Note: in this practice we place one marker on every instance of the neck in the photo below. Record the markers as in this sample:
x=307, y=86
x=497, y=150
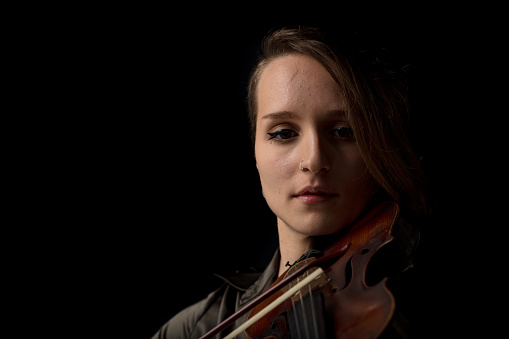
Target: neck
x=292, y=245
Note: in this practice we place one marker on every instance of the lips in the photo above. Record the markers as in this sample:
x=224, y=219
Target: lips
x=314, y=195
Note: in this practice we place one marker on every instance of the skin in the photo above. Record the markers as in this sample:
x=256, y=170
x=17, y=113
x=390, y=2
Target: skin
x=301, y=105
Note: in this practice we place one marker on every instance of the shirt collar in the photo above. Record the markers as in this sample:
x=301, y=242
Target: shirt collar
x=266, y=279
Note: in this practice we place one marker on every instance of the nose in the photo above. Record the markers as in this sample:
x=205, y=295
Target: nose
x=315, y=155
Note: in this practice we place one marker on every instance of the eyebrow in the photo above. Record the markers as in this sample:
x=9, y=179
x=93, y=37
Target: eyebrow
x=291, y=115
x=280, y=115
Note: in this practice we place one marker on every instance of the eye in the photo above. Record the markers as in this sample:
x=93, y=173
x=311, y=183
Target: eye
x=282, y=134
x=343, y=133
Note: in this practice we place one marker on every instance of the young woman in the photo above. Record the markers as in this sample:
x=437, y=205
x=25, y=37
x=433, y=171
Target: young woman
x=331, y=142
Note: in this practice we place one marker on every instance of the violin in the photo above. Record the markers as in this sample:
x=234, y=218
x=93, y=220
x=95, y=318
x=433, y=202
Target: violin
x=327, y=297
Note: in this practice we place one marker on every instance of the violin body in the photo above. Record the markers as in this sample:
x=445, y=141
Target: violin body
x=338, y=303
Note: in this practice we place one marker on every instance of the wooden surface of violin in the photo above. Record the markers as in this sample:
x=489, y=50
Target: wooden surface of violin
x=337, y=302
x=349, y=307
x=359, y=310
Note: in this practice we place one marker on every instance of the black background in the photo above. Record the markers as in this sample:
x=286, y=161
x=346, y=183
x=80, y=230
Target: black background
x=152, y=177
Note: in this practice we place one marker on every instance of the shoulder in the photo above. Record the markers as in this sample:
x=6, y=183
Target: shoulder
x=197, y=319
x=187, y=322
x=238, y=288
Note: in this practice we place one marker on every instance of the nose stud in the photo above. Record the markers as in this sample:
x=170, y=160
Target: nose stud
x=300, y=165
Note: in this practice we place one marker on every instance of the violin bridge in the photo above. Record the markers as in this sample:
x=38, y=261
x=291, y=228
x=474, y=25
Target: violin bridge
x=316, y=283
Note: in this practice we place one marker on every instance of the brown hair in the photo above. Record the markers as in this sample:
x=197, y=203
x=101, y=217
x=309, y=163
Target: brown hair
x=376, y=103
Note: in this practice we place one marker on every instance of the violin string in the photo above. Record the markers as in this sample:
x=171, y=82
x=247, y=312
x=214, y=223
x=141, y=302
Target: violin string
x=304, y=315
x=303, y=309
x=282, y=298
x=313, y=313
x=298, y=331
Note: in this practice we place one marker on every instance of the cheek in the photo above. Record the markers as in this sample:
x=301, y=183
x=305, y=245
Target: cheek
x=359, y=171
x=361, y=182
x=352, y=172
x=272, y=171
x=275, y=170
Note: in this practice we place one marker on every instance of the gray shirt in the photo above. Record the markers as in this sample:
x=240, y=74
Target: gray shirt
x=237, y=290
x=196, y=320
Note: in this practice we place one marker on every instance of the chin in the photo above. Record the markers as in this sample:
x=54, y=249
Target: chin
x=318, y=226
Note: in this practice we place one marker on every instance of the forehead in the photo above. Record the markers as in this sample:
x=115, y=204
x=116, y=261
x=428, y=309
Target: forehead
x=297, y=83
x=293, y=68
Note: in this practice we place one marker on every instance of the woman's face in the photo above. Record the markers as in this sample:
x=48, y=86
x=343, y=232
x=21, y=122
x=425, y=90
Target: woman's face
x=302, y=123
